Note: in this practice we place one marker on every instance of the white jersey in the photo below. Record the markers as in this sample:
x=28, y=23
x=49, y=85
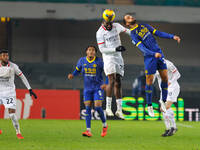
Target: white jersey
x=173, y=75
x=7, y=85
x=108, y=41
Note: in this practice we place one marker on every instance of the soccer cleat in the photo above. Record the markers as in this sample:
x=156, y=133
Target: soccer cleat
x=162, y=105
x=150, y=111
x=19, y=136
x=175, y=130
x=104, y=131
x=109, y=112
x=172, y=131
x=0, y=131
x=87, y=133
x=119, y=114
x=165, y=133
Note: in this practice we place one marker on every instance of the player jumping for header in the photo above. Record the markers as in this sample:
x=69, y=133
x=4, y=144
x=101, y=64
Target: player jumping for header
x=142, y=37
x=91, y=68
x=8, y=70
x=109, y=43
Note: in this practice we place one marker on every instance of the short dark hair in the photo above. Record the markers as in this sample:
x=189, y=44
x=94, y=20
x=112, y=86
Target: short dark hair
x=3, y=51
x=91, y=46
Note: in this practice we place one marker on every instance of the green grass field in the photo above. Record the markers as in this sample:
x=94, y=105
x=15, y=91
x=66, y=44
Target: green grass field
x=122, y=135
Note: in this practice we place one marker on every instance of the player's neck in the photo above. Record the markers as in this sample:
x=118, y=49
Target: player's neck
x=90, y=58
x=4, y=63
x=132, y=26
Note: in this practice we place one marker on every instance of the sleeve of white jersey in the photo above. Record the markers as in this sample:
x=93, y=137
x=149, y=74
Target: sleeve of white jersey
x=101, y=44
x=121, y=29
x=19, y=73
x=174, y=71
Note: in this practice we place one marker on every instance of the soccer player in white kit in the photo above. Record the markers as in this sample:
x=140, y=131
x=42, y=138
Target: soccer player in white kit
x=109, y=43
x=173, y=92
x=8, y=70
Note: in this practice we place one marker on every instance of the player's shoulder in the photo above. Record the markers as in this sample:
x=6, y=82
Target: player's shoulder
x=116, y=24
x=12, y=64
x=99, y=59
x=100, y=30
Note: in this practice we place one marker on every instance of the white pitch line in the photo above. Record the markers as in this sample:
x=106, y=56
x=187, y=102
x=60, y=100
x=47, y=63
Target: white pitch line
x=184, y=125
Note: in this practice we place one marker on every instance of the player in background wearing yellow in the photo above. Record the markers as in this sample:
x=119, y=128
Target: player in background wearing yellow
x=91, y=68
x=110, y=46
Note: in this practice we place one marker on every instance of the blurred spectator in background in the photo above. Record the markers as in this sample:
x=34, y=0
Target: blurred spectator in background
x=139, y=86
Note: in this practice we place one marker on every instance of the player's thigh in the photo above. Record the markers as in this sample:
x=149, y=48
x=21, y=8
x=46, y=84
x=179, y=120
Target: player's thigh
x=110, y=68
x=120, y=69
x=162, y=68
x=173, y=94
x=98, y=98
x=150, y=64
x=9, y=102
x=163, y=75
x=87, y=96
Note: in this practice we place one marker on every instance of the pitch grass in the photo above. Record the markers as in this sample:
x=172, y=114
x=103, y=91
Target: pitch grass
x=122, y=135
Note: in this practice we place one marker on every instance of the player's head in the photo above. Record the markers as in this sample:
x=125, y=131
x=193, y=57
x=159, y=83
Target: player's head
x=108, y=17
x=129, y=20
x=4, y=56
x=91, y=51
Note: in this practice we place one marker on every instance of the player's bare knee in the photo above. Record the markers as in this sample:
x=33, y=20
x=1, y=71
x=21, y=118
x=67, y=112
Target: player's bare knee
x=11, y=111
x=165, y=79
x=117, y=84
x=88, y=103
x=98, y=103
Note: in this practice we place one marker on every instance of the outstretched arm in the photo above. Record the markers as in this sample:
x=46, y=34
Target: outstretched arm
x=163, y=34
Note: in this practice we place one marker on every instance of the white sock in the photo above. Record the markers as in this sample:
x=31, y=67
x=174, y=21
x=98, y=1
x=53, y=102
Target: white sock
x=166, y=120
x=108, y=102
x=15, y=122
x=104, y=124
x=119, y=104
x=172, y=119
x=89, y=129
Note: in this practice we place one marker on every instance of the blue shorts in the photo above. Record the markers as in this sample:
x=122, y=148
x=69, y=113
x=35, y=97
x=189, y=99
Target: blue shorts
x=153, y=64
x=93, y=95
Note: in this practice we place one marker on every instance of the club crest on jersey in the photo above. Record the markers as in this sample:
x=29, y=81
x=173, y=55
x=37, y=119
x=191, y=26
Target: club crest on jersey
x=94, y=65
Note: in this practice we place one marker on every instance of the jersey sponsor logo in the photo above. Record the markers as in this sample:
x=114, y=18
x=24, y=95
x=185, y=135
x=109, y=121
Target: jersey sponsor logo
x=112, y=38
x=90, y=70
x=94, y=65
x=144, y=32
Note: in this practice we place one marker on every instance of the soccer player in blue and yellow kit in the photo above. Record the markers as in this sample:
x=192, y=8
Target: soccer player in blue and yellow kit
x=143, y=37
x=91, y=68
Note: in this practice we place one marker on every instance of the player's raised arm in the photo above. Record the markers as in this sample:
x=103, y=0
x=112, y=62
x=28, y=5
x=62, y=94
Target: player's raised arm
x=122, y=29
x=19, y=73
x=163, y=34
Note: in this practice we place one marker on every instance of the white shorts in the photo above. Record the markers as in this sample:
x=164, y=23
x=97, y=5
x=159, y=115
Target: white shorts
x=172, y=94
x=8, y=102
x=115, y=65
